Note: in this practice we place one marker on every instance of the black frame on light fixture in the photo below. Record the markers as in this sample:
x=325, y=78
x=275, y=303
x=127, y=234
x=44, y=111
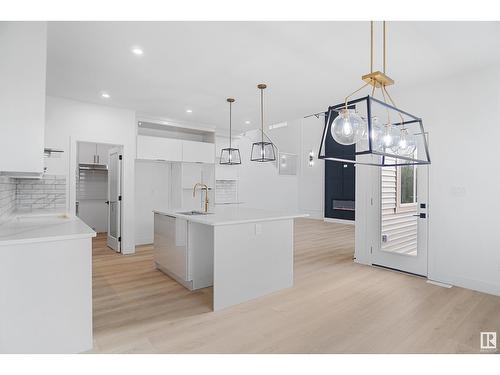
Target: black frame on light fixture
x=384, y=158
x=233, y=154
x=262, y=145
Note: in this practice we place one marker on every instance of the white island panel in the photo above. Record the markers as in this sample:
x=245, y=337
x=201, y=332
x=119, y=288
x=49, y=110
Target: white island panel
x=251, y=260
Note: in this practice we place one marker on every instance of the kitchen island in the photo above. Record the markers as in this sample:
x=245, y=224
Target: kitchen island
x=244, y=253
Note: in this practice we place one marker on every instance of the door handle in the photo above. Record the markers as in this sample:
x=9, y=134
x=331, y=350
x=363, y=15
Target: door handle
x=421, y=216
x=107, y=202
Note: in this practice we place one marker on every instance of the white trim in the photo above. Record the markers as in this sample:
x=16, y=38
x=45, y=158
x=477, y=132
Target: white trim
x=339, y=221
x=173, y=122
x=443, y=285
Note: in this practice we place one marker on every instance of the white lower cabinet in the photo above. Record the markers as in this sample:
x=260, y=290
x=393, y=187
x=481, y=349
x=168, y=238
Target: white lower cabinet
x=183, y=251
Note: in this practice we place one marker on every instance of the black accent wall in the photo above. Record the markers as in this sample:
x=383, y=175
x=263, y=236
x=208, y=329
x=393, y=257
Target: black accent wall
x=340, y=180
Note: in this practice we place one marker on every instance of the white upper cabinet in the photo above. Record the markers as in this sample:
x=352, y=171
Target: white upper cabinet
x=172, y=149
x=198, y=152
x=86, y=153
x=158, y=148
x=22, y=96
x=102, y=153
x=93, y=153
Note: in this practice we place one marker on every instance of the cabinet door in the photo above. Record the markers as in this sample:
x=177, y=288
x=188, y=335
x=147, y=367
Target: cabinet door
x=102, y=153
x=198, y=152
x=87, y=153
x=207, y=176
x=171, y=245
x=157, y=148
x=191, y=174
x=22, y=96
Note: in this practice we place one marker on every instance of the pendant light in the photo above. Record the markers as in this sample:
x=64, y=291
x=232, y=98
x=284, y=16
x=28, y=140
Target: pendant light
x=230, y=155
x=262, y=151
x=375, y=127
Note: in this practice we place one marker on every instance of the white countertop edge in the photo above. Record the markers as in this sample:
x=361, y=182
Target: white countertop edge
x=255, y=220
x=82, y=229
x=47, y=239
x=200, y=219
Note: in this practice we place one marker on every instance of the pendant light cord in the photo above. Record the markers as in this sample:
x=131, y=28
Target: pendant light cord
x=371, y=46
x=262, y=114
x=385, y=48
x=230, y=132
x=354, y=92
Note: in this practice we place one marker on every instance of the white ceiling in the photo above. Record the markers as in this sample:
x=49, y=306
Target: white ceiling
x=197, y=65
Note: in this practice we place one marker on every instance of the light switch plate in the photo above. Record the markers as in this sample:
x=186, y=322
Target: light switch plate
x=258, y=229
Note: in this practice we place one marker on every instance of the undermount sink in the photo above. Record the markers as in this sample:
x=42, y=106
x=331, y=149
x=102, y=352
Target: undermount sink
x=194, y=213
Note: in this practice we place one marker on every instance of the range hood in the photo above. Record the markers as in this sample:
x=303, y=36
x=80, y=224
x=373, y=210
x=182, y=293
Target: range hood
x=92, y=167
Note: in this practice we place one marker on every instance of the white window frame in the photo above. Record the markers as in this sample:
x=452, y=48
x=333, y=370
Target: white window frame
x=405, y=207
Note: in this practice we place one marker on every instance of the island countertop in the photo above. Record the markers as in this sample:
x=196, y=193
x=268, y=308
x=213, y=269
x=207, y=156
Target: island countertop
x=232, y=215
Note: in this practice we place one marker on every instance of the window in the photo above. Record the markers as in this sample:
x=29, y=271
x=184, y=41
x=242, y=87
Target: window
x=406, y=188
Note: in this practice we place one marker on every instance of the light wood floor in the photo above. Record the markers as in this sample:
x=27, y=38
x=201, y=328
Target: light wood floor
x=335, y=306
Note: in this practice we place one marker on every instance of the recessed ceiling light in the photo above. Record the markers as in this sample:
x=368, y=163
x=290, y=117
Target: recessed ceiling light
x=105, y=95
x=137, y=51
x=189, y=110
x=247, y=122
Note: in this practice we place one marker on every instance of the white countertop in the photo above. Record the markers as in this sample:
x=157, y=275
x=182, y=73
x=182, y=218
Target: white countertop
x=227, y=215
x=42, y=226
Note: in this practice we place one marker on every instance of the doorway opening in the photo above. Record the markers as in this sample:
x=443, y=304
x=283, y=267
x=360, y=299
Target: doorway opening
x=99, y=189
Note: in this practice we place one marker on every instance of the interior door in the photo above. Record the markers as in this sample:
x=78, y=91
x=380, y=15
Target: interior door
x=403, y=226
x=114, y=198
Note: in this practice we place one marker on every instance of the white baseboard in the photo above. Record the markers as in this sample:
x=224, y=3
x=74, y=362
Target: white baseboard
x=443, y=285
x=339, y=221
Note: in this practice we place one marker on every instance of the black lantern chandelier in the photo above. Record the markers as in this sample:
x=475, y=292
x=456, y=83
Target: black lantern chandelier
x=262, y=151
x=378, y=131
x=230, y=155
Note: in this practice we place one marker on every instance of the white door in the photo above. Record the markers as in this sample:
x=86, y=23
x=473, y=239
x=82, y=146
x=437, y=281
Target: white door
x=402, y=235
x=114, y=198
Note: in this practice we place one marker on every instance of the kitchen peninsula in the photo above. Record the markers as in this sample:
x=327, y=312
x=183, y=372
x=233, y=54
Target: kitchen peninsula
x=244, y=253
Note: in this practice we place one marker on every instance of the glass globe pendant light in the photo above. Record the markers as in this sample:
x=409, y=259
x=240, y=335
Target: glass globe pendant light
x=388, y=136
x=348, y=127
x=405, y=144
x=230, y=155
x=262, y=151
x=358, y=122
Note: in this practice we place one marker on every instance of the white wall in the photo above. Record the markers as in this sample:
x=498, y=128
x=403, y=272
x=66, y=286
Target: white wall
x=260, y=184
x=23, y=57
x=311, y=178
x=152, y=186
x=461, y=116
x=69, y=121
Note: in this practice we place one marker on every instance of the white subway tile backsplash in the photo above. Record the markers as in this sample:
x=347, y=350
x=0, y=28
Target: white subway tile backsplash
x=8, y=196
x=49, y=192
x=226, y=191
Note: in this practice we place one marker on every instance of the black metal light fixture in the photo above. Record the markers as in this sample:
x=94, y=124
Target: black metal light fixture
x=230, y=155
x=262, y=151
x=383, y=134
